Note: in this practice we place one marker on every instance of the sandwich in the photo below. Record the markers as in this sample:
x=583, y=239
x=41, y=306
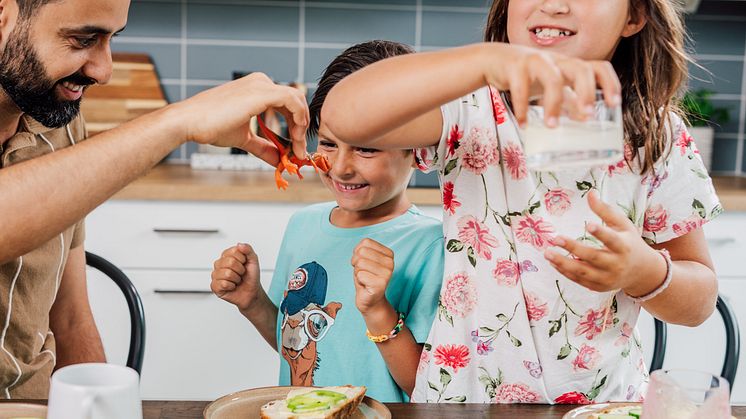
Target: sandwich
x=316, y=403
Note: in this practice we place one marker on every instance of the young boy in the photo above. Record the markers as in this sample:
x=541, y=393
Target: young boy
x=370, y=261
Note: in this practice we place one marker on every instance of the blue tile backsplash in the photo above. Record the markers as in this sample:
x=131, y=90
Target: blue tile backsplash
x=197, y=44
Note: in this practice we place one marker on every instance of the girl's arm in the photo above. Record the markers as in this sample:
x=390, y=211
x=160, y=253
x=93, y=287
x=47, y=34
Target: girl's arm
x=394, y=103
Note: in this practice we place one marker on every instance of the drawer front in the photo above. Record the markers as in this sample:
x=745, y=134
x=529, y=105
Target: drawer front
x=726, y=239
x=184, y=235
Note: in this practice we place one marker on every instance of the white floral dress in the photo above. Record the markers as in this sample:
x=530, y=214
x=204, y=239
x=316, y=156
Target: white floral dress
x=510, y=328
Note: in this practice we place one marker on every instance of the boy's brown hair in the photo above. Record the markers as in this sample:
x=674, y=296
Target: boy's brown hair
x=651, y=65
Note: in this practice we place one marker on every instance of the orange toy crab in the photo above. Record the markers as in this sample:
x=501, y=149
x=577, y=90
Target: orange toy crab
x=288, y=161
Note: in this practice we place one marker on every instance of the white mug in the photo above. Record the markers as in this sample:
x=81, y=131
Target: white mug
x=95, y=391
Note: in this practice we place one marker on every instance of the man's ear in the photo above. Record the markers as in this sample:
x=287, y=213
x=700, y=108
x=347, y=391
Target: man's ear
x=8, y=18
x=637, y=19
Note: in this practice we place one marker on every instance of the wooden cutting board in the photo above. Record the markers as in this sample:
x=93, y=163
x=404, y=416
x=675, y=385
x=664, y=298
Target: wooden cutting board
x=134, y=90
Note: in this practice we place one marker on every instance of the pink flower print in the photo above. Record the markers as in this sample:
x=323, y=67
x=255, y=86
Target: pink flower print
x=684, y=141
x=557, y=200
x=460, y=295
x=534, y=231
x=450, y=203
x=688, y=225
x=626, y=334
x=453, y=139
x=655, y=219
x=506, y=272
x=593, y=321
x=516, y=393
x=587, y=358
x=515, y=161
x=424, y=361
x=479, y=150
x=535, y=307
x=622, y=165
x=474, y=233
x=498, y=108
x=654, y=181
x=454, y=356
x=484, y=347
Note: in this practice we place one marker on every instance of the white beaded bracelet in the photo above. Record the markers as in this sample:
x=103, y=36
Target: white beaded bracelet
x=663, y=286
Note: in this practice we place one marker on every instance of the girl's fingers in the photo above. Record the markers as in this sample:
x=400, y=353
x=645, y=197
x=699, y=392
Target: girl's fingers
x=598, y=258
x=610, y=238
x=519, y=86
x=613, y=217
x=580, y=74
x=577, y=271
x=547, y=73
x=608, y=80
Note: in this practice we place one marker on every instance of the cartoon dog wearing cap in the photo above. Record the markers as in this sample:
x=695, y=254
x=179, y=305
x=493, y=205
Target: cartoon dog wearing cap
x=305, y=321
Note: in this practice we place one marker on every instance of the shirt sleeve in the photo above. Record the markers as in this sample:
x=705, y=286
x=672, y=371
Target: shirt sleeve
x=78, y=234
x=428, y=271
x=681, y=194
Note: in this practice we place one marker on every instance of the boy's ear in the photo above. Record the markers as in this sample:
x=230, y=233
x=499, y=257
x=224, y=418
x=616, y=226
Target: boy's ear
x=636, y=20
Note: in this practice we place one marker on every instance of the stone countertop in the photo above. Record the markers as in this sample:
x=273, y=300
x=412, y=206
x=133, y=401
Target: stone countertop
x=180, y=183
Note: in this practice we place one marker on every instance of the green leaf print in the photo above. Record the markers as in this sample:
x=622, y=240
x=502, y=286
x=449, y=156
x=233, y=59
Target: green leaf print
x=445, y=377
x=564, y=351
x=450, y=166
x=503, y=318
x=700, y=174
x=556, y=326
x=517, y=343
x=428, y=347
x=534, y=207
x=716, y=211
x=485, y=329
x=458, y=399
x=584, y=185
x=454, y=246
x=625, y=352
x=443, y=313
x=471, y=256
x=596, y=388
x=433, y=386
x=699, y=208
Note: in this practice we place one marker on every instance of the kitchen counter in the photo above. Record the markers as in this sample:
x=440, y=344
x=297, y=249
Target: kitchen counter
x=181, y=183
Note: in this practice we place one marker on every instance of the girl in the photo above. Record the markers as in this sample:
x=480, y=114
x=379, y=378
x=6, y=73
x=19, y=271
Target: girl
x=545, y=273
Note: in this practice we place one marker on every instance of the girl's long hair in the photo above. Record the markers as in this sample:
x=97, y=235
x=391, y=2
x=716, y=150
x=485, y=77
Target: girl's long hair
x=652, y=67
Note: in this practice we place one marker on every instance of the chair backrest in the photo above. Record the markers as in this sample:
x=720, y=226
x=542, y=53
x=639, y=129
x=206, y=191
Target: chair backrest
x=732, y=342
x=134, y=304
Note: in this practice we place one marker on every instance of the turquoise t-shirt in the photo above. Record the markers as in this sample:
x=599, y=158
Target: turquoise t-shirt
x=320, y=333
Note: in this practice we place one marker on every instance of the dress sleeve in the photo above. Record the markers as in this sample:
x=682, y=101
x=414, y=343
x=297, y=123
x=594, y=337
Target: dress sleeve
x=424, y=300
x=431, y=158
x=681, y=197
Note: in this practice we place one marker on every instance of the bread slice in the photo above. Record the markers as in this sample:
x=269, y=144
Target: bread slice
x=621, y=412
x=342, y=403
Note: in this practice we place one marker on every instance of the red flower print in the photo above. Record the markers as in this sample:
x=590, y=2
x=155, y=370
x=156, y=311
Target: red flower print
x=474, y=233
x=689, y=224
x=557, y=200
x=587, y=358
x=421, y=160
x=516, y=393
x=506, y=272
x=450, y=203
x=685, y=141
x=453, y=139
x=533, y=230
x=535, y=307
x=498, y=108
x=479, y=150
x=515, y=161
x=572, y=397
x=592, y=323
x=424, y=361
x=454, y=356
x=459, y=295
x=626, y=334
x=655, y=219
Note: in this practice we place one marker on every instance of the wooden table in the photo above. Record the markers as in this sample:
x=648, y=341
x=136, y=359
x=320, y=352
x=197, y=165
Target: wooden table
x=193, y=410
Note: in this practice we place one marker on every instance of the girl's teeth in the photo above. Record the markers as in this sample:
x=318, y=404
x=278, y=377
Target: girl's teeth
x=550, y=33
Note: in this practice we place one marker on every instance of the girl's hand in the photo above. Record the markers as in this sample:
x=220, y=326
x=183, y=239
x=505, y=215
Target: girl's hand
x=373, y=265
x=624, y=261
x=235, y=276
x=523, y=70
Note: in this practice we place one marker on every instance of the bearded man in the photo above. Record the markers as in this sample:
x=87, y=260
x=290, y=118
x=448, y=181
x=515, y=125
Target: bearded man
x=50, y=51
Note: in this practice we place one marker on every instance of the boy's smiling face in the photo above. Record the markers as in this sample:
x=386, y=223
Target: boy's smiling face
x=367, y=183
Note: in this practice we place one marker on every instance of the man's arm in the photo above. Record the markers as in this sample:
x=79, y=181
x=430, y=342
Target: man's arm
x=77, y=179
x=71, y=319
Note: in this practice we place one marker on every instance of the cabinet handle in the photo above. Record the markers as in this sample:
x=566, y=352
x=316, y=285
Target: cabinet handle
x=162, y=291
x=186, y=230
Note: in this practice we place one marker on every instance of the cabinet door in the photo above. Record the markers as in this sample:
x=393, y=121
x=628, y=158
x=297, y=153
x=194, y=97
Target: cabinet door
x=197, y=346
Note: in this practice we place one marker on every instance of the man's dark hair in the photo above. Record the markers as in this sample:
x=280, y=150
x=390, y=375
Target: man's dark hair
x=26, y=8
x=352, y=59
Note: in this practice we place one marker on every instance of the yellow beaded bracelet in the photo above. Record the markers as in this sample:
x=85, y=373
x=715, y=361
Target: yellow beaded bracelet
x=394, y=333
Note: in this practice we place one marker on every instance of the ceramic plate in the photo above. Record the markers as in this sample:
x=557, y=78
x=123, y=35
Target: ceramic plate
x=248, y=404
x=22, y=410
x=583, y=412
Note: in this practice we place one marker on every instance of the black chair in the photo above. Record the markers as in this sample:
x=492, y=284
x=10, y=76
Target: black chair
x=732, y=342
x=134, y=304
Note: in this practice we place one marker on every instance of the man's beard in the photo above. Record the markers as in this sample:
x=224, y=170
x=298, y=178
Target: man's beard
x=25, y=81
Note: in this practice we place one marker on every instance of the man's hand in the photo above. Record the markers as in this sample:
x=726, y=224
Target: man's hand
x=221, y=115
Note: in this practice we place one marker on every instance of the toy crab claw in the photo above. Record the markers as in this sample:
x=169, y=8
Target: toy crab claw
x=288, y=161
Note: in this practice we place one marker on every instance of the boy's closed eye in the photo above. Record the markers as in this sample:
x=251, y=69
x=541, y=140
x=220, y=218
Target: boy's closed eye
x=329, y=145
